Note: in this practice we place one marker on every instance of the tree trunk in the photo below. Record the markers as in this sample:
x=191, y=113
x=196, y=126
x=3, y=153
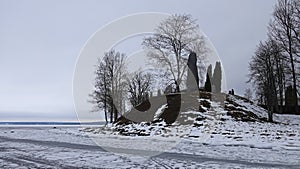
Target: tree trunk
x=115, y=114
x=105, y=111
x=177, y=87
x=270, y=115
x=111, y=111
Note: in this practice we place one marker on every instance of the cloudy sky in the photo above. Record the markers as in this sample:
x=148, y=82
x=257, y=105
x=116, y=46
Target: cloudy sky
x=41, y=40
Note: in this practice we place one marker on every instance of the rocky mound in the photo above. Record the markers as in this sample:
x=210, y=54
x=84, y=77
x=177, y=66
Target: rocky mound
x=193, y=109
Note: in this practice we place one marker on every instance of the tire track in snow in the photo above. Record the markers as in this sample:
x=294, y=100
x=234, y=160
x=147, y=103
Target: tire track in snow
x=55, y=144
x=165, y=155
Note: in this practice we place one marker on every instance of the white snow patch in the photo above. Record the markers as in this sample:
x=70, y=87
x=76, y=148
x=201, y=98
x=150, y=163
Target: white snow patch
x=160, y=111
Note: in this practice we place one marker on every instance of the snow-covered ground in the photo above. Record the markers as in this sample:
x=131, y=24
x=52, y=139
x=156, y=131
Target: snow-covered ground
x=225, y=145
x=215, y=140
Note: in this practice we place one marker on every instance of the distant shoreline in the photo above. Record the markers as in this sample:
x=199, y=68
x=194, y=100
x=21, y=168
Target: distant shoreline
x=18, y=123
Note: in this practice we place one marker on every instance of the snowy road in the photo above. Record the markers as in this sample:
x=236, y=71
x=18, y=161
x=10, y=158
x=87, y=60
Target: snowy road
x=22, y=148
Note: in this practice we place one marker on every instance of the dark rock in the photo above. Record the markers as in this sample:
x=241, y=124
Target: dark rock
x=205, y=95
x=198, y=124
x=222, y=119
x=200, y=118
x=243, y=116
x=170, y=114
x=138, y=114
x=193, y=136
x=123, y=121
x=144, y=106
x=205, y=103
x=201, y=109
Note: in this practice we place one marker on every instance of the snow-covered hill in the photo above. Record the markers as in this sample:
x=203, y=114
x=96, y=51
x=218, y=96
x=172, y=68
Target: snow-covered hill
x=218, y=119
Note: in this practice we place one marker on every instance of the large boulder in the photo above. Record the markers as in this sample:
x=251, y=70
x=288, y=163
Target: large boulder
x=171, y=113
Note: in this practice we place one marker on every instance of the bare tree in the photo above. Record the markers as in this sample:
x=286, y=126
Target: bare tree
x=139, y=87
x=100, y=95
x=296, y=23
x=248, y=94
x=207, y=85
x=110, y=83
x=275, y=64
x=172, y=42
x=281, y=67
x=284, y=29
x=262, y=74
x=296, y=33
x=209, y=71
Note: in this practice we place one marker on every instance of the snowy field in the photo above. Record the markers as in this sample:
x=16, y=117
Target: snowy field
x=227, y=145
x=214, y=139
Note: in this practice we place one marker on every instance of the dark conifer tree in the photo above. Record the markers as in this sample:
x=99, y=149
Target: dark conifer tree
x=207, y=85
x=217, y=78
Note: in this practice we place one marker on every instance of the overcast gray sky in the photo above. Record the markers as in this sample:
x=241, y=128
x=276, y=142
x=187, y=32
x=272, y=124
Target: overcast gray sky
x=41, y=40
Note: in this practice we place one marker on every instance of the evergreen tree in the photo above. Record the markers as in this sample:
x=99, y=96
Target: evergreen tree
x=207, y=85
x=217, y=78
x=290, y=96
x=209, y=71
x=192, y=81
